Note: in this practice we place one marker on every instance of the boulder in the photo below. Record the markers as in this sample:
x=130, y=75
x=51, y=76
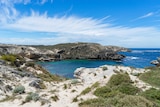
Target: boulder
x=154, y=62
x=36, y=84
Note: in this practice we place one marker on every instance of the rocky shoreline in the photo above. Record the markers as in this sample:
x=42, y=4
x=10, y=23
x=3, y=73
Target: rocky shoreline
x=65, y=51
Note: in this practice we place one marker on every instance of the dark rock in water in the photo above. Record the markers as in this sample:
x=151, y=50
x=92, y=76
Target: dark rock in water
x=156, y=62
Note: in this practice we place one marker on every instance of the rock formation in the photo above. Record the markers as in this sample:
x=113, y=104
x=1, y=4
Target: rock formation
x=156, y=62
x=29, y=53
x=65, y=51
x=88, y=51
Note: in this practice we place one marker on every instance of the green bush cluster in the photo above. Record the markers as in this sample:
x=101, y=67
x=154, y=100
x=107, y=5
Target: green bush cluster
x=32, y=96
x=9, y=58
x=15, y=60
x=153, y=95
x=118, y=87
x=55, y=98
x=120, y=100
x=104, y=68
x=49, y=77
x=118, y=79
x=152, y=77
x=87, y=90
x=19, y=89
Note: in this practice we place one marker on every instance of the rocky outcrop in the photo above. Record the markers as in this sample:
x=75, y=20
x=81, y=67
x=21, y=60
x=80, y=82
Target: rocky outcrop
x=156, y=62
x=29, y=52
x=65, y=51
x=88, y=51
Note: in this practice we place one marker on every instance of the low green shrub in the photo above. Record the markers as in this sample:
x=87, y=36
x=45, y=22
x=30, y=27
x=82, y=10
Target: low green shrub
x=153, y=95
x=105, y=92
x=75, y=99
x=104, y=68
x=55, y=98
x=19, y=89
x=49, y=77
x=74, y=81
x=118, y=101
x=128, y=89
x=32, y=96
x=118, y=79
x=15, y=60
x=152, y=77
x=10, y=58
x=87, y=90
x=95, y=85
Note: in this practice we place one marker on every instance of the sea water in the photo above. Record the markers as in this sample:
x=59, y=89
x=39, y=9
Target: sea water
x=139, y=58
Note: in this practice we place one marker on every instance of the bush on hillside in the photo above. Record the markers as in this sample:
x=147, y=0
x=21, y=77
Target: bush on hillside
x=118, y=79
x=19, y=89
x=152, y=94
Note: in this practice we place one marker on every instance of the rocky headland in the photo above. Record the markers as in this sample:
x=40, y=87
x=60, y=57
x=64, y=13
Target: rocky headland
x=65, y=51
x=86, y=51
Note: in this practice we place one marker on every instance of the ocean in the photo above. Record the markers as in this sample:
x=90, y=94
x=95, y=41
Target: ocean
x=139, y=58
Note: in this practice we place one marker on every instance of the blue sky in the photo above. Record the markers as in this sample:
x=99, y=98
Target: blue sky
x=127, y=23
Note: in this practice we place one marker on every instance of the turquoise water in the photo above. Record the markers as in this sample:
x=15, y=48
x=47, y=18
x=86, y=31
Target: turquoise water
x=138, y=58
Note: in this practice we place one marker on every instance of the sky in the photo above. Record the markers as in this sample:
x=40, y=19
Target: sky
x=127, y=23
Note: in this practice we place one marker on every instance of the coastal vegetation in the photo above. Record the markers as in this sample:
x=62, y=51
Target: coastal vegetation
x=152, y=76
x=120, y=92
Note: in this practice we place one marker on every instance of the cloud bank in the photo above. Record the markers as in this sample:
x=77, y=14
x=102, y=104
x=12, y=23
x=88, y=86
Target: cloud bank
x=52, y=30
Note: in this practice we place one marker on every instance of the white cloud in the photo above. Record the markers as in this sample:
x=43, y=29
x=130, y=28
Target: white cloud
x=71, y=29
x=147, y=15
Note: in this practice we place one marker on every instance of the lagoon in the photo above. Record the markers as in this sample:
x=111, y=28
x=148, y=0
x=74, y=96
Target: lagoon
x=139, y=58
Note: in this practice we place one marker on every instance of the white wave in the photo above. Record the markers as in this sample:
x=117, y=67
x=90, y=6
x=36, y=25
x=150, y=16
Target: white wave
x=132, y=58
x=142, y=51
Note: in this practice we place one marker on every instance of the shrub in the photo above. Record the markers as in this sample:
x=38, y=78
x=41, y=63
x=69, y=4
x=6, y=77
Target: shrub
x=30, y=64
x=19, y=89
x=32, y=96
x=55, y=98
x=105, y=92
x=128, y=89
x=10, y=58
x=74, y=81
x=152, y=77
x=65, y=86
x=75, y=99
x=118, y=79
x=104, y=68
x=15, y=60
x=95, y=85
x=49, y=77
x=87, y=90
x=133, y=101
x=152, y=94
x=118, y=101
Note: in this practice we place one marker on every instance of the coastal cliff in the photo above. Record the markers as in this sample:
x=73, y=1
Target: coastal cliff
x=86, y=51
x=65, y=51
